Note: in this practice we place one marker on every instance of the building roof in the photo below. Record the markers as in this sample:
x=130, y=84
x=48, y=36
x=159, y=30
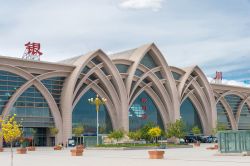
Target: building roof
x=122, y=55
x=13, y=61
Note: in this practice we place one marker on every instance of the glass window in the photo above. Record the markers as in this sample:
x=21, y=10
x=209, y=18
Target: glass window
x=222, y=116
x=85, y=69
x=176, y=75
x=148, y=61
x=84, y=114
x=234, y=102
x=54, y=85
x=9, y=83
x=93, y=77
x=189, y=115
x=30, y=112
x=244, y=121
x=122, y=68
x=138, y=72
x=104, y=71
x=96, y=60
x=143, y=111
x=158, y=74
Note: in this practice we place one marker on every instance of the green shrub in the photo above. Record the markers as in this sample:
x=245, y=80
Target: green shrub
x=118, y=134
x=219, y=127
x=78, y=131
x=176, y=129
x=53, y=131
x=144, y=131
x=196, y=130
x=135, y=135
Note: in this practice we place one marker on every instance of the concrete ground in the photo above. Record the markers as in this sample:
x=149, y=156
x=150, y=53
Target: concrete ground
x=173, y=157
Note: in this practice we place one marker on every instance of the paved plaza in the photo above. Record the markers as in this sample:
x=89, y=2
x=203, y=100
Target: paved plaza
x=173, y=157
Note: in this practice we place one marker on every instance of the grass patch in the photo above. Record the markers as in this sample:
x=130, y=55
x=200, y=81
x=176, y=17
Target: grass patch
x=127, y=145
x=175, y=145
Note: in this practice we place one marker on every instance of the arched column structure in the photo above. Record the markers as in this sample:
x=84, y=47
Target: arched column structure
x=164, y=115
x=230, y=114
x=110, y=105
x=246, y=100
x=111, y=86
x=201, y=113
x=36, y=81
x=159, y=90
x=164, y=87
x=234, y=119
x=194, y=83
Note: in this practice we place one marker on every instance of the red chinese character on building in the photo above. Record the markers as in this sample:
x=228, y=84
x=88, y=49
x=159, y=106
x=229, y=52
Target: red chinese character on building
x=144, y=100
x=144, y=107
x=32, y=51
x=33, y=48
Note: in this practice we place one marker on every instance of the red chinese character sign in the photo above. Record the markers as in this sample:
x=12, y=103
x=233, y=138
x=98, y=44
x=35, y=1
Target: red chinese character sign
x=32, y=51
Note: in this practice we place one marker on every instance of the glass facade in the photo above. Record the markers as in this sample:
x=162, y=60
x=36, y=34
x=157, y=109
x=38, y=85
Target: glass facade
x=222, y=116
x=85, y=70
x=84, y=114
x=138, y=72
x=9, y=83
x=105, y=71
x=234, y=102
x=143, y=111
x=244, y=121
x=176, y=75
x=54, y=85
x=122, y=68
x=40, y=136
x=32, y=109
x=148, y=61
x=158, y=74
x=189, y=115
x=96, y=60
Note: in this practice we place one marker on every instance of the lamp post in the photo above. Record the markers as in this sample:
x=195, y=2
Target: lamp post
x=97, y=102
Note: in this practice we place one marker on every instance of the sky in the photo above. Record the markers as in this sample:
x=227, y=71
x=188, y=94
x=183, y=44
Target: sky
x=215, y=35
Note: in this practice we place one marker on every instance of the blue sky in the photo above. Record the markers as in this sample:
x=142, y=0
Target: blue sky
x=214, y=34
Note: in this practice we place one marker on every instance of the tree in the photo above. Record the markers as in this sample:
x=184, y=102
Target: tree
x=154, y=133
x=53, y=131
x=144, y=131
x=219, y=127
x=119, y=134
x=196, y=130
x=11, y=131
x=78, y=131
x=176, y=130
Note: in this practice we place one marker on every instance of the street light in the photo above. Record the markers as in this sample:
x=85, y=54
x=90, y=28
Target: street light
x=97, y=102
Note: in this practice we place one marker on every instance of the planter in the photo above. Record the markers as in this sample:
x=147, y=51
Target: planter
x=21, y=151
x=156, y=154
x=57, y=147
x=215, y=147
x=79, y=147
x=197, y=144
x=31, y=148
x=1, y=149
x=76, y=152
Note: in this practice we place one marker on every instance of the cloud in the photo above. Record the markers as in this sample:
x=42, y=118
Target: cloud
x=231, y=82
x=155, y=5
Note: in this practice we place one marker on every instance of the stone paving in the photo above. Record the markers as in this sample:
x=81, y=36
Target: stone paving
x=173, y=157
